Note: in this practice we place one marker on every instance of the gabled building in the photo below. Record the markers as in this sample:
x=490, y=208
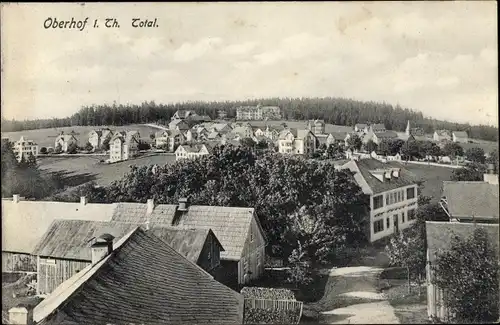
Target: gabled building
x=238, y=230
x=316, y=126
x=258, y=112
x=170, y=139
x=378, y=137
x=23, y=148
x=64, y=248
x=244, y=131
x=178, y=125
x=183, y=114
x=442, y=135
x=361, y=128
x=439, y=235
x=300, y=142
x=377, y=128
x=99, y=136
x=185, y=151
x=393, y=195
x=336, y=138
x=140, y=280
x=123, y=145
x=460, y=137
x=64, y=141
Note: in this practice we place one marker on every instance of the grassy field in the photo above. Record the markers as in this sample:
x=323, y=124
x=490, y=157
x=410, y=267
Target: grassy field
x=433, y=177
x=487, y=146
x=88, y=168
x=46, y=137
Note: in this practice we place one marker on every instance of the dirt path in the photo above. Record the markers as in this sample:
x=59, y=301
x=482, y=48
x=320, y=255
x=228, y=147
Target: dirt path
x=352, y=297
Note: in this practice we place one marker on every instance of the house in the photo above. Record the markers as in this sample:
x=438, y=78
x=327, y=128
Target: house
x=336, y=138
x=439, y=235
x=170, y=139
x=242, y=238
x=378, y=137
x=361, y=128
x=442, y=135
x=221, y=128
x=192, y=151
x=64, y=141
x=123, y=146
x=231, y=136
x=178, y=125
x=393, y=195
x=316, y=126
x=460, y=137
x=23, y=148
x=63, y=250
x=244, y=131
x=294, y=141
x=99, y=136
x=258, y=113
x=272, y=132
x=182, y=114
x=377, y=128
x=140, y=280
x=222, y=114
x=37, y=216
x=471, y=201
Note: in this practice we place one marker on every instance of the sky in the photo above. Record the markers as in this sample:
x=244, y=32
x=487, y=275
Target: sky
x=439, y=58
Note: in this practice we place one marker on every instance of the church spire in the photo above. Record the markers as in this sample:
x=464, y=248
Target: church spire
x=408, y=128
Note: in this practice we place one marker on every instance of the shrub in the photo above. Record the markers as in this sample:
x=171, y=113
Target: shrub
x=43, y=150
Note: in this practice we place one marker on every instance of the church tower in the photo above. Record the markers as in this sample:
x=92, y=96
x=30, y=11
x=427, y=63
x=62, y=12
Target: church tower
x=408, y=128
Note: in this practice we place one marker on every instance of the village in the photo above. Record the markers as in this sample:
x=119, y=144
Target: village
x=68, y=243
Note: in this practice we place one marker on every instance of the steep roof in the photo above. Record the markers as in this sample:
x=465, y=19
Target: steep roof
x=68, y=239
x=378, y=126
x=37, y=216
x=471, y=198
x=338, y=135
x=302, y=134
x=143, y=281
x=230, y=225
x=386, y=135
x=460, y=134
x=195, y=148
x=372, y=185
x=439, y=234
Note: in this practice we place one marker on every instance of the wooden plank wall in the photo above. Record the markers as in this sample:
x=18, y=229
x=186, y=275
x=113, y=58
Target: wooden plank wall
x=53, y=272
x=15, y=262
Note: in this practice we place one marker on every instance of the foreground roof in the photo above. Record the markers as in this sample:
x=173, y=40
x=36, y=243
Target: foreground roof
x=129, y=286
x=230, y=225
x=37, y=216
x=460, y=134
x=439, y=234
x=465, y=199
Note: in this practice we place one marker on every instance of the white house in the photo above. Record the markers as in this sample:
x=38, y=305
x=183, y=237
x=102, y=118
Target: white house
x=336, y=137
x=361, y=128
x=23, y=148
x=178, y=125
x=123, y=146
x=293, y=141
x=393, y=195
x=377, y=128
x=170, y=139
x=99, y=136
x=316, y=126
x=64, y=141
x=460, y=137
x=192, y=151
x=442, y=135
x=244, y=131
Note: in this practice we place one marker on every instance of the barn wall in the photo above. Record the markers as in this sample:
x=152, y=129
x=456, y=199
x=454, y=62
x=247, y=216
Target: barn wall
x=210, y=249
x=53, y=272
x=253, y=256
x=16, y=262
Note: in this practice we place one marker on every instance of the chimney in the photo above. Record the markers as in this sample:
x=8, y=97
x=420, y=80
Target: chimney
x=151, y=206
x=20, y=316
x=15, y=198
x=102, y=247
x=183, y=205
x=395, y=172
x=83, y=200
x=387, y=174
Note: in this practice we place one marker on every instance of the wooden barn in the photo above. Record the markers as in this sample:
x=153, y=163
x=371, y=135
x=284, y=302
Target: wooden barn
x=25, y=222
x=65, y=249
x=238, y=230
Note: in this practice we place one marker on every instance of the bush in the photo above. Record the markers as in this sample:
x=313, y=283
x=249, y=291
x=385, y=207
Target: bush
x=50, y=150
x=270, y=316
x=43, y=150
x=267, y=293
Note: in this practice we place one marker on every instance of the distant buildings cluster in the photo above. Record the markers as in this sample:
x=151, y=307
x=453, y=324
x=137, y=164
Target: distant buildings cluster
x=257, y=113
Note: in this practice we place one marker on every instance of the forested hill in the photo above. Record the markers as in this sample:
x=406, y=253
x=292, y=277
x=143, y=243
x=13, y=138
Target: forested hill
x=333, y=110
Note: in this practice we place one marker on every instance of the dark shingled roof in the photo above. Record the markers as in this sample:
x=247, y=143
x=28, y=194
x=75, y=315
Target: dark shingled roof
x=365, y=166
x=439, y=234
x=143, y=281
x=471, y=198
x=386, y=135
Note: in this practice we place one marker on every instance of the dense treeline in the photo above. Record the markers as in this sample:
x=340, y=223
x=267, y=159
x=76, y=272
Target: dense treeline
x=333, y=110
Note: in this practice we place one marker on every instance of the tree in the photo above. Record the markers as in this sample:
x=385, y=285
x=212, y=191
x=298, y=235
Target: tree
x=354, y=142
x=453, y=150
x=475, y=154
x=152, y=136
x=248, y=143
x=105, y=144
x=88, y=147
x=72, y=148
x=431, y=211
x=370, y=146
x=468, y=273
x=143, y=145
x=493, y=159
x=412, y=149
x=471, y=172
x=43, y=150
x=58, y=148
x=300, y=270
x=334, y=151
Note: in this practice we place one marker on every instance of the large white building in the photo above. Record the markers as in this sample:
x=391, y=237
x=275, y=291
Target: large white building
x=192, y=151
x=393, y=195
x=123, y=146
x=300, y=142
x=24, y=147
x=169, y=138
x=99, y=136
x=258, y=113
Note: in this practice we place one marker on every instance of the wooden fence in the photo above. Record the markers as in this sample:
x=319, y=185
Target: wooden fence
x=274, y=304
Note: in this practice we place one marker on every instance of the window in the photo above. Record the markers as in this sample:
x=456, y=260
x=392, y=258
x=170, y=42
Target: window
x=410, y=193
x=378, y=202
x=251, y=235
x=411, y=214
x=378, y=226
x=402, y=217
x=388, y=224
